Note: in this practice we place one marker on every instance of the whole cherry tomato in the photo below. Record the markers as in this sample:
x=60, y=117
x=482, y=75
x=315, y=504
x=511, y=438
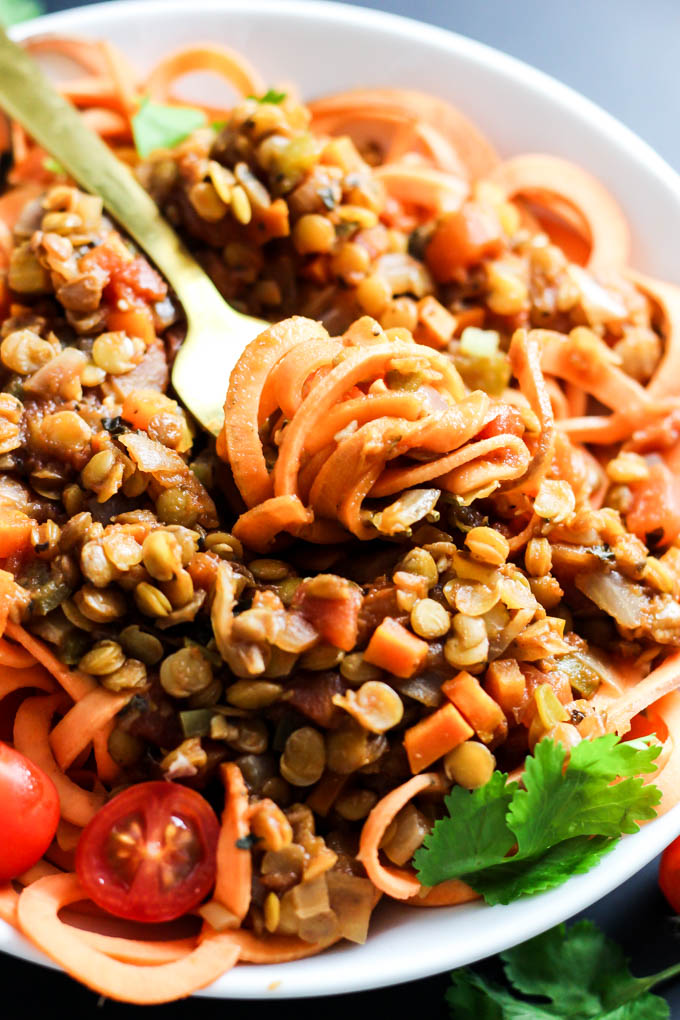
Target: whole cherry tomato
x=29, y=812
x=669, y=874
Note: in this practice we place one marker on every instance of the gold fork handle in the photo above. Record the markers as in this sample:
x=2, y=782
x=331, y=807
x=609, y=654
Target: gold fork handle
x=27, y=95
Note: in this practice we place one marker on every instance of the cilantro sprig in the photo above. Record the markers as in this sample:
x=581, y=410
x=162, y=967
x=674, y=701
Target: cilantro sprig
x=14, y=11
x=508, y=842
x=156, y=126
x=574, y=974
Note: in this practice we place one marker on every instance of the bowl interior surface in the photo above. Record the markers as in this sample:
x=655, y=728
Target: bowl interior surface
x=324, y=47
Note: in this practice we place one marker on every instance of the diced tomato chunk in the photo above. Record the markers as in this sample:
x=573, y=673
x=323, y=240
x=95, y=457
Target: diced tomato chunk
x=335, y=617
x=655, y=513
x=462, y=239
x=136, y=321
x=507, y=421
x=646, y=724
x=129, y=279
x=15, y=532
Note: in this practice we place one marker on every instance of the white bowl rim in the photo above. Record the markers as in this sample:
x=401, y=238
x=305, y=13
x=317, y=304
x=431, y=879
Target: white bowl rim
x=506, y=926
x=332, y=10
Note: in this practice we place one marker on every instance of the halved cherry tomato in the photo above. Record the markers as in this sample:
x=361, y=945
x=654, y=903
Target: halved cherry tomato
x=29, y=813
x=669, y=874
x=149, y=854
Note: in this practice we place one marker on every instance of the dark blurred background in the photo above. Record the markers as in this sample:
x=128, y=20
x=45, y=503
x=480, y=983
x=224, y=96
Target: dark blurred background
x=624, y=55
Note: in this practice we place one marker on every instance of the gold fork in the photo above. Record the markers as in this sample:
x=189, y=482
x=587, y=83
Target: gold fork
x=216, y=332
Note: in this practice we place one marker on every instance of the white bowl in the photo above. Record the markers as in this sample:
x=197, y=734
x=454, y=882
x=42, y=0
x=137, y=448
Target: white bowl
x=325, y=47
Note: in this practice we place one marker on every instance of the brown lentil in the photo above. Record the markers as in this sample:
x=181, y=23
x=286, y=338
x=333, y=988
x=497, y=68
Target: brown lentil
x=253, y=694
x=322, y=657
x=180, y=589
x=488, y=545
x=101, y=605
x=104, y=657
x=375, y=705
x=538, y=557
x=185, y=672
x=25, y=352
x=116, y=353
x=139, y=644
x=151, y=601
x=313, y=234
x=471, y=764
x=429, y=619
x=130, y=676
x=357, y=671
x=304, y=757
x=356, y=804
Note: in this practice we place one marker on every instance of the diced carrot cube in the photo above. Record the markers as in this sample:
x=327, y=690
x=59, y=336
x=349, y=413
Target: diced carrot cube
x=435, y=736
x=135, y=321
x=483, y=713
x=436, y=325
x=395, y=649
x=469, y=317
x=270, y=222
x=506, y=684
x=15, y=532
x=325, y=793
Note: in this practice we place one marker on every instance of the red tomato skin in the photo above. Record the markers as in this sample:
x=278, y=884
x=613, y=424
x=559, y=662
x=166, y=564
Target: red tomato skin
x=669, y=874
x=507, y=420
x=461, y=239
x=656, y=505
x=29, y=813
x=336, y=619
x=145, y=898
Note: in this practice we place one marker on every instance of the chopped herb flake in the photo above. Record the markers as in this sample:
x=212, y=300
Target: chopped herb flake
x=270, y=96
x=116, y=426
x=327, y=197
x=52, y=166
x=155, y=126
x=247, y=842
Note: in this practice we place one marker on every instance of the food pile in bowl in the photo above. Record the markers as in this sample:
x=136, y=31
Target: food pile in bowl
x=422, y=589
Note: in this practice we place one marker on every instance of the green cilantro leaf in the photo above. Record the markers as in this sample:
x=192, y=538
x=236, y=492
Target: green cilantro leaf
x=581, y=950
x=562, y=822
x=270, y=96
x=155, y=126
x=14, y=11
x=480, y=837
x=471, y=997
x=583, y=800
x=573, y=974
x=526, y=876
